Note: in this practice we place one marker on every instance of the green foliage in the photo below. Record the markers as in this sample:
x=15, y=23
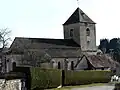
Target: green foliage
x=104, y=45
x=49, y=78
x=114, y=43
x=109, y=45
x=115, y=46
x=112, y=47
x=45, y=78
x=86, y=77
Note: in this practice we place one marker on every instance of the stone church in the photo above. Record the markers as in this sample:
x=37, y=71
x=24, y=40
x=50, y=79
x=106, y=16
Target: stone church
x=78, y=48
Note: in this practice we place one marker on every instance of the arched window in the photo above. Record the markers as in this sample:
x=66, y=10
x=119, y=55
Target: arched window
x=88, y=32
x=71, y=32
x=59, y=65
x=14, y=66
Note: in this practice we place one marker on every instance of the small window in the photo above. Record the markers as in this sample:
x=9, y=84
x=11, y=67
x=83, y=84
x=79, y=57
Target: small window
x=88, y=32
x=14, y=66
x=71, y=32
x=88, y=42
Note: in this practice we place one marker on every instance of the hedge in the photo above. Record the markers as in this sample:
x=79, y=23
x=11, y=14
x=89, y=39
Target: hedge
x=86, y=77
x=50, y=78
x=45, y=78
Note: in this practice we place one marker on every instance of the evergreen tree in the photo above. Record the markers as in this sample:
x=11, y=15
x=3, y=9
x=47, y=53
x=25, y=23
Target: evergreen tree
x=104, y=43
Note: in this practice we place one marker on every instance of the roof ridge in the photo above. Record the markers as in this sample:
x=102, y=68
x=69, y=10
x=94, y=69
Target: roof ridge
x=51, y=39
x=79, y=13
x=40, y=38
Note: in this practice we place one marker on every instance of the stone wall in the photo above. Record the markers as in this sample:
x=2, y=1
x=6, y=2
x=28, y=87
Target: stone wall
x=80, y=37
x=62, y=62
x=10, y=84
x=76, y=32
x=81, y=65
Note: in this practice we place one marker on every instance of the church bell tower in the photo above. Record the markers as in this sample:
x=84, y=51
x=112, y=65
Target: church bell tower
x=82, y=30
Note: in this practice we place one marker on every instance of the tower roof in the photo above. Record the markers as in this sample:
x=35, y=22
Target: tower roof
x=78, y=17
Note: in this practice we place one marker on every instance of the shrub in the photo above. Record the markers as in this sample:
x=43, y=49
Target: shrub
x=86, y=77
x=45, y=78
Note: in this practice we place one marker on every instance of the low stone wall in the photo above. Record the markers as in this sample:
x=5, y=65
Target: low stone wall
x=15, y=84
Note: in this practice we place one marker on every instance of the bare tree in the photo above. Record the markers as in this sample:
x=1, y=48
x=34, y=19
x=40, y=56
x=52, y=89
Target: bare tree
x=4, y=37
x=4, y=41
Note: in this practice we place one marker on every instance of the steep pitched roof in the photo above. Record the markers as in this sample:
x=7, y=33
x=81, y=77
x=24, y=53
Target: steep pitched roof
x=40, y=43
x=78, y=17
x=99, y=61
x=64, y=52
x=53, y=47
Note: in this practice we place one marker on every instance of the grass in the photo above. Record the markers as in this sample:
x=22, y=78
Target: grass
x=81, y=86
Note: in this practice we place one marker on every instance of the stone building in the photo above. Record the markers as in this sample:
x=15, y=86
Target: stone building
x=79, y=39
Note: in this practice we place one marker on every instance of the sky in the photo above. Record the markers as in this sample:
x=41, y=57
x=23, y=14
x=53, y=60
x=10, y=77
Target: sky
x=44, y=18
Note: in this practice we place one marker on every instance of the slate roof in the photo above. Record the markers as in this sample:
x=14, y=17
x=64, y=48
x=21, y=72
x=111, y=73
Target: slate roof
x=37, y=43
x=78, y=17
x=53, y=47
x=64, y=53
x=99, y=61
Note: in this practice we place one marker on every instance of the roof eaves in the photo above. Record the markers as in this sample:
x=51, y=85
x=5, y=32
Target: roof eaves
x=65, y=56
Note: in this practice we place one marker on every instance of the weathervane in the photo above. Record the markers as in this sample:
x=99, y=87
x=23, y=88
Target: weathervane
x=78, y=3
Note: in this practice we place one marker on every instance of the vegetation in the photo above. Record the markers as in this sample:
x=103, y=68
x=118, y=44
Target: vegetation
x=45, y=78
x=4, y=37
x=104, y=43
x=111, y=47
x=4, y=42
x=86, y=77
x=49, y=78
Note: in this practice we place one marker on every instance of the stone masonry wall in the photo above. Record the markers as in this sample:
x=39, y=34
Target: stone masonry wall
x=10, y=84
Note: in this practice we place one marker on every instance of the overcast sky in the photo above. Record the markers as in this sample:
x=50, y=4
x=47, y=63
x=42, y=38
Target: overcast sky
x=44, y=18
